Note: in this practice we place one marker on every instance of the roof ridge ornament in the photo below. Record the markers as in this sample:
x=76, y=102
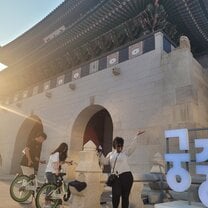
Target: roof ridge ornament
x=185, y=43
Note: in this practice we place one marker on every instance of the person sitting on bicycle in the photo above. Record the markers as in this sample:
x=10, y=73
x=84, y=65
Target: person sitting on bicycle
x=56, y=159
x=31, y=158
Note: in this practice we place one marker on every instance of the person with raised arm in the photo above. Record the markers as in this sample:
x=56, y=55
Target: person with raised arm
x=118, y=160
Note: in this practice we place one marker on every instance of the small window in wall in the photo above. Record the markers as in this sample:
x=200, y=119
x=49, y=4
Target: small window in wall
x=112, y=59
x=68, y=77
x=102, y=63
x=93, y=67
x=166, y=45
x=85, y=70
x=76, y=74
x=149, y=44
x=123, y=54
x=53, y=82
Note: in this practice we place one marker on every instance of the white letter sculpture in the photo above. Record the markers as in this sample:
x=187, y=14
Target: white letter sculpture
x=202, y=169
x=178, y=178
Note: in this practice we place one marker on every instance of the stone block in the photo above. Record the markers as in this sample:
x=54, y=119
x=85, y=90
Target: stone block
x=179, y=204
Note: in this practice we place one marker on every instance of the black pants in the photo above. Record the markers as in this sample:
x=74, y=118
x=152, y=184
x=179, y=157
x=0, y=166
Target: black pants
x=122, y=188
x=51, y=178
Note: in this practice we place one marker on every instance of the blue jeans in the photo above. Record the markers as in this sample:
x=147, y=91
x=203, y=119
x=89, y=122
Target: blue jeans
x=51, y=178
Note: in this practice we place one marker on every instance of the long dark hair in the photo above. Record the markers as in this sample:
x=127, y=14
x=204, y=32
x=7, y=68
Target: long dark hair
x=62, y=150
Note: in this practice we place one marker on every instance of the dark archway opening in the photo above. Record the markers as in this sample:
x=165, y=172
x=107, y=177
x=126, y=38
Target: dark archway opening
x=93, y=123
x=99, y=129
x=28, y=130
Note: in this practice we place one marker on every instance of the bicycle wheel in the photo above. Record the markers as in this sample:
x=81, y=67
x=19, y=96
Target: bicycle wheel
x=18, y=188
x=47, y=195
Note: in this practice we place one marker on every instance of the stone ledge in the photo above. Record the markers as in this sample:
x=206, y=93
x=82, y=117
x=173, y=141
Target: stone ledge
x=6, y=177
x=179, y=204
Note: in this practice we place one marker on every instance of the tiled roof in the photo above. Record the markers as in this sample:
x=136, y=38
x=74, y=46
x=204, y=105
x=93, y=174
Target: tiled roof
x=91, y=27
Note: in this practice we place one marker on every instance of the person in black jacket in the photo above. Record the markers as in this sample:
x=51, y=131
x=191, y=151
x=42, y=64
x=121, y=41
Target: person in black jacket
x=31, y=158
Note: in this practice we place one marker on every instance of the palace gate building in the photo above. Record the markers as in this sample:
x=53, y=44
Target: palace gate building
x=96, y=69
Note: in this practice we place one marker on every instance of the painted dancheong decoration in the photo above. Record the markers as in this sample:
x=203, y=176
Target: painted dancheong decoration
x=178, y=158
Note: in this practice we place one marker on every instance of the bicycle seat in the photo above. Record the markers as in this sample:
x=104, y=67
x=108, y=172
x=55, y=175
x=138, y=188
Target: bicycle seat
x=32, y=176
x=59, y=178
x=62, y=174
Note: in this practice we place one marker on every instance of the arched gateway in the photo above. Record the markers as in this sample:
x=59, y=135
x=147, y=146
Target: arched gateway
x=28, y=129
x=93, y=123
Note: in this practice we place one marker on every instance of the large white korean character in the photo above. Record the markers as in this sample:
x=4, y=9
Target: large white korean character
x=202, y=169
x=178, y=178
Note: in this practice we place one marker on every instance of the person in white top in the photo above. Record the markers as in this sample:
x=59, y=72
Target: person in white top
x=56, y=159
x=118, y=160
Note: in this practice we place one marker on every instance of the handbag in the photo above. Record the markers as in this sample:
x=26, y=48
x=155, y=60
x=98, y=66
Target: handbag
x=112, y=177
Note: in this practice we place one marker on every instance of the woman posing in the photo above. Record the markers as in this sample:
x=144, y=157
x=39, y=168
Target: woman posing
x=118, y=160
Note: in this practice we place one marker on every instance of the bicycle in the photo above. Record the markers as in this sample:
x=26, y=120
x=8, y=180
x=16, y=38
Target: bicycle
x=23, y=187
x=53, y=193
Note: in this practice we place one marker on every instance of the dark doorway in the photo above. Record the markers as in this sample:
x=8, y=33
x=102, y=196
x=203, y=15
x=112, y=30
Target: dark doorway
x=29, y=128
x=93, y=123
x=99, y=129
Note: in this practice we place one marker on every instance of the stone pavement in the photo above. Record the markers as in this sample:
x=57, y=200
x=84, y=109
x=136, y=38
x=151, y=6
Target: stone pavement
x=5, y=199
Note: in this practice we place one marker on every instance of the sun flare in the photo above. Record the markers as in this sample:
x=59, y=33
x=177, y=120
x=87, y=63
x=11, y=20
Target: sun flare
x=2, y=67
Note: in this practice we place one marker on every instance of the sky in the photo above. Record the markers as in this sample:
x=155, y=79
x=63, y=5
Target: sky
x=18, y=16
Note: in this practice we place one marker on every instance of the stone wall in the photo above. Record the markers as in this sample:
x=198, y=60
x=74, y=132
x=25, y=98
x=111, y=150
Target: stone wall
x=154, y=91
